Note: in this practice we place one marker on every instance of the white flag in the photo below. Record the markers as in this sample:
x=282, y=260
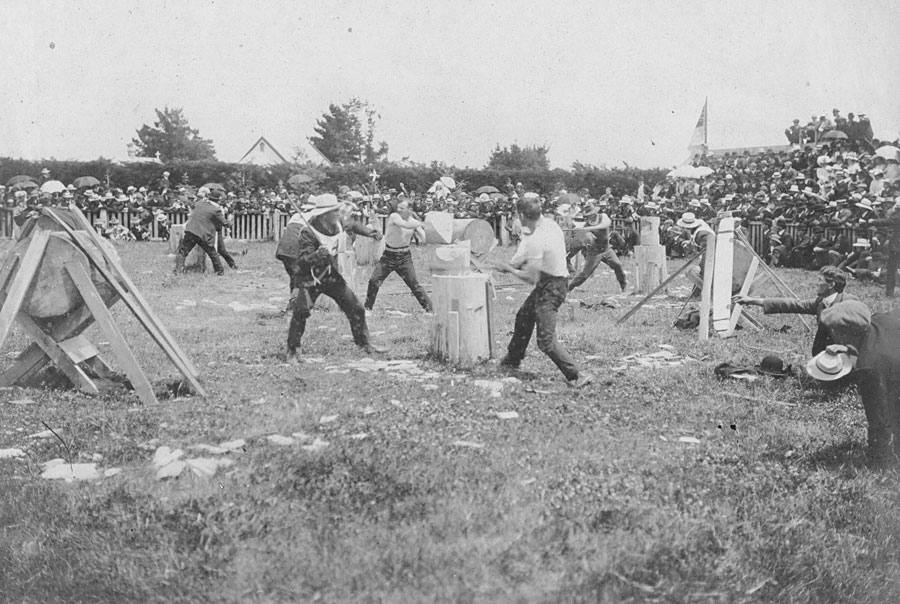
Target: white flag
x=699, y=139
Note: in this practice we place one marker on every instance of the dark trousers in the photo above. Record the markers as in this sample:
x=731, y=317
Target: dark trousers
x=188, y=243
x=223, y=252
x=540, y=308
x=592, y=260
x=890, y=278
x=402, y=264
x=881, y=401
x=291, y=267
x=337, y=289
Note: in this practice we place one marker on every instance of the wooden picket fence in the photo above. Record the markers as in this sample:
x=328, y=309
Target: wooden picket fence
x=260, y=226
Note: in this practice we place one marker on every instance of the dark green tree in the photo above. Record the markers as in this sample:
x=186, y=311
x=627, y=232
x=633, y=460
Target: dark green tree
x=172, y=138
x=519, y=158
x=346, y=134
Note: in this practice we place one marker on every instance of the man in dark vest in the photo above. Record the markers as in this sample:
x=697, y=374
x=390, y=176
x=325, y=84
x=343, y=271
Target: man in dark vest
x=315, y=272
x=598, y=224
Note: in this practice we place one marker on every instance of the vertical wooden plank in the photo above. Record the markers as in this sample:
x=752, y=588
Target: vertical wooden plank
x=722, y=279
x=709, y=267
x=104, y=319
x=15, y=293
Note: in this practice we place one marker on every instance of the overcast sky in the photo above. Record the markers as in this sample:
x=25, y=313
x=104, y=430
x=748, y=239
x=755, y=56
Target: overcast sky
x=599, y=82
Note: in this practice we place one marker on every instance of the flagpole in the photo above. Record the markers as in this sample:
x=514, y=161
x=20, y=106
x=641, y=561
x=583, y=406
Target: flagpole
x=706, y=125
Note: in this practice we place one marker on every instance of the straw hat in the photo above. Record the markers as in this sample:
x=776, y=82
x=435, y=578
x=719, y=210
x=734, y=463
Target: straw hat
x=688, y=221
x=831, y=364
x=322, y=204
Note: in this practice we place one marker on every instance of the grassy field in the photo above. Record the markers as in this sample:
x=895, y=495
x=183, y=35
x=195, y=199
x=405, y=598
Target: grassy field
x=423, y=493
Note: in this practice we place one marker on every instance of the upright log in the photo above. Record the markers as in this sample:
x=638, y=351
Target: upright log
x=650, y=257
x=461, y=333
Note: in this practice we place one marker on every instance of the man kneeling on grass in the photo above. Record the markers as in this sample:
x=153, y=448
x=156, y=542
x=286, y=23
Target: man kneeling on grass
x=541, y=260
x=867, y=348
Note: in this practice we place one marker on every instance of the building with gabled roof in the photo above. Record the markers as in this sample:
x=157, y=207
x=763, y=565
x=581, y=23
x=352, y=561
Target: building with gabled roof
x=262, y=153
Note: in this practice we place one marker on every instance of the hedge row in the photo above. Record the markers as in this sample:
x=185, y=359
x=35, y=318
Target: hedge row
x=414, y=178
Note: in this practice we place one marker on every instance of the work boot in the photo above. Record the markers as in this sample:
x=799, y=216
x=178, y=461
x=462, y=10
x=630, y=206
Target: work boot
x=293, y=356
x=507, y=364
x=374, y=349
x=582, y=380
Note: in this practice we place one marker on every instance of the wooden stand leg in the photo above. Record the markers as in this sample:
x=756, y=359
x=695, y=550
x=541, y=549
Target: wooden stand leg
x=662, y=286
x=104, y=319
x=745, y=289
x=15, y=294
x=52, y=349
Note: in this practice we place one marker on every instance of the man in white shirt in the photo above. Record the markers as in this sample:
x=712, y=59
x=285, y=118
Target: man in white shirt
x=541, y=260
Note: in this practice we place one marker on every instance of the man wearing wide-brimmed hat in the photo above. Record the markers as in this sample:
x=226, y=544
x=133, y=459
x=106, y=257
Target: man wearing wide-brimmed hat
x=315, y=272
x=867, y=348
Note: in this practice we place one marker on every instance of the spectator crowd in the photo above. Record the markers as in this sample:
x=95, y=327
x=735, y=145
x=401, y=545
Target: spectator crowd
x=833, y=180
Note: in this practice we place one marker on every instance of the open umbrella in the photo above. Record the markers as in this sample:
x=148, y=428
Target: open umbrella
x=23, y=184
x=702, y=171
x=448, y=182
x=17, y=179
x=833, y=135
x=83, y=182
x=888, y=152
x=53, y=186
x=486, y=189
x=215, y=186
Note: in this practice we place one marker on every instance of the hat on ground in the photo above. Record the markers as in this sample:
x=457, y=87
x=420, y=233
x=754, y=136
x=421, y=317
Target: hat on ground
x=322, y=204
x=831, y=364
x=688, y=221
x=774, y=366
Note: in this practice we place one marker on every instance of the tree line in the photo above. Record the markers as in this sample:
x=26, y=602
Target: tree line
x=345, y=135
